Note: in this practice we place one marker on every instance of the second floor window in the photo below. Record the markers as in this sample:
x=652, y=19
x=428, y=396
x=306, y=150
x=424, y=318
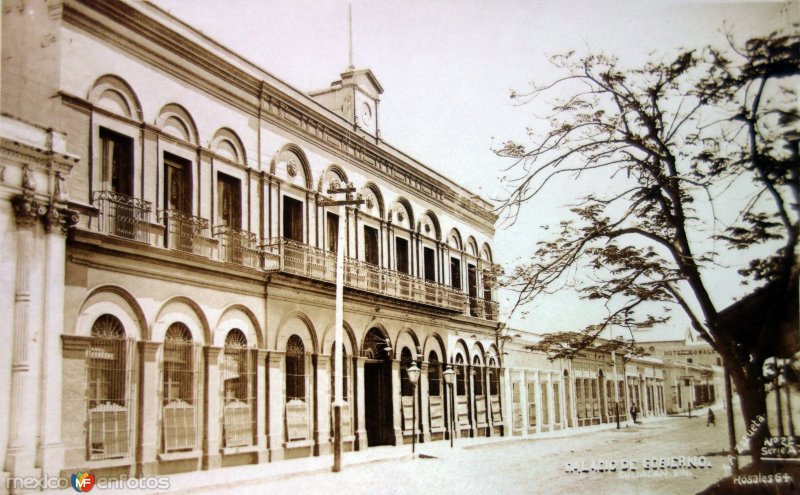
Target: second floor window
x=455, y=273
x=177, y=184
x=430, y=264
x=229, y=202
x=292, y=219
x=117, y=156
x=332, y=223
x=401, y=250
x=371, y=245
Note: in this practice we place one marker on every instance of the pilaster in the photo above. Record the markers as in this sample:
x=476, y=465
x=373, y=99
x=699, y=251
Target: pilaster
x=276, y=410
x=212, y=438
x=261, y=405
x=361, y=429
x=323, y=429
x=424, y=407
x=396, y=403
x=148, y=433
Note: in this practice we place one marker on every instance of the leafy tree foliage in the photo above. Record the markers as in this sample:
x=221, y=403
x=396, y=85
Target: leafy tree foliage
x=691, y=160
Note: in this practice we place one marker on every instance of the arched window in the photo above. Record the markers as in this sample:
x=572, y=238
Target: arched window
x=434, y=375
x=295, y=369
x=477, y=378
x=297, y=421
x=179, y=389
x=239, y=386
x=494, y=391
x=109, y=399
x=461, y=376
x=405, y=363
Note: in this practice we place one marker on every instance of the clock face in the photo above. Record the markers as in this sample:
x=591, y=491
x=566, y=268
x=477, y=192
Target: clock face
x=366, y=113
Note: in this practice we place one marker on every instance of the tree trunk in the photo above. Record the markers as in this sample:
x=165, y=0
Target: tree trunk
x=753, y=403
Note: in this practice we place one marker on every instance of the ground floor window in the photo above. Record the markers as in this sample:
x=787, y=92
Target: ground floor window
x=179, y=411
x=239, y=386
x=435, y=401
x=109, y=397
x=297, y=410
x=531, y=404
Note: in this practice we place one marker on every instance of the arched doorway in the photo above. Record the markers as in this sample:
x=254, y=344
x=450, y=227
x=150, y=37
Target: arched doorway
x=378, y=388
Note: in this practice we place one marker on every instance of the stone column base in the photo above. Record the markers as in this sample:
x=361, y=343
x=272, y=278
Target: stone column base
x=361, y=442
x=52, y=459
x=276, y=454
x=212, y=461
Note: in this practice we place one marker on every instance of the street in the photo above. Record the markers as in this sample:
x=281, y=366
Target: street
x=664, y=456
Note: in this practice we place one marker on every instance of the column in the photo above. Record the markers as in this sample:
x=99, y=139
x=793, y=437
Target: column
x=488, y=396
x=261, y=405
x=423, y=409
x=51, y=454
x=212, y=459
x=276, y=406
x=396, y=403
x=361, y=429
x=148, y=434
x=74, y=352
x=20, y=456
x=507, y=404
x=473, y=416
x=322, y=430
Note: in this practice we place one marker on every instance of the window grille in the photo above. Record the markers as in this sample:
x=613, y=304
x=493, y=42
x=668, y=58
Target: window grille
x=461, y=376
x=545, y=407
x=516, y=402
x=239, y=386
x=297, y=421
x=111, y=359
x=434, y=375
x=595, y=399
x=557, y=403
x=181, y=359
x=580, y=401
x=405, y=363
x=478, y=376
x=531, y=404
x=494, y=390
x=435, y=399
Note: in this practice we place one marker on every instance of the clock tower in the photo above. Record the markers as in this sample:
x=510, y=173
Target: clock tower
x=355, y=97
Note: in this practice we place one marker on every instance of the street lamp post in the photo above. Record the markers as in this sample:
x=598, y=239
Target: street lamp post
x=413, y=377
x=616, y=384
x=348, y=189
x=449, y=378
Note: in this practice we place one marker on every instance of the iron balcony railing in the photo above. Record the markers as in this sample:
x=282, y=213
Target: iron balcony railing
x=123, y=216
x=483, y=308
x=237, y=246
x=186, y=232
x=307, y=261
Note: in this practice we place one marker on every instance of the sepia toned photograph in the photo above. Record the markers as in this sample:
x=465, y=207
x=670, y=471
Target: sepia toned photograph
x=401, y=247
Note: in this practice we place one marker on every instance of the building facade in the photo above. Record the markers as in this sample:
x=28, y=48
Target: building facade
x=169, y=269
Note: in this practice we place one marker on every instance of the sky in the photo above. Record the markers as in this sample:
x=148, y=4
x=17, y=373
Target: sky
x=448, y=66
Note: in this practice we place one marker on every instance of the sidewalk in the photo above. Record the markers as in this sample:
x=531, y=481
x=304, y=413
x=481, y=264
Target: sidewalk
x=238, y=477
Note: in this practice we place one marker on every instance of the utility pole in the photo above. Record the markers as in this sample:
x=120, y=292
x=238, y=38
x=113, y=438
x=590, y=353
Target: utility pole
x=348, y=190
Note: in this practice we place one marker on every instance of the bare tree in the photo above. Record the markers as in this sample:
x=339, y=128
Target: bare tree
x=698, y=160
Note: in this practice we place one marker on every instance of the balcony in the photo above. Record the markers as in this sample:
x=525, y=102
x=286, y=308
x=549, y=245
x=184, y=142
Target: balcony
x=237, y=246
x=483, y=308
x=186, y=232
x=307, y=261
x=123, y=216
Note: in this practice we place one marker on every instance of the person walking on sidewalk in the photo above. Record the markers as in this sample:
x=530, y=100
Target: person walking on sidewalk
x=634, y=413
x=711, y=419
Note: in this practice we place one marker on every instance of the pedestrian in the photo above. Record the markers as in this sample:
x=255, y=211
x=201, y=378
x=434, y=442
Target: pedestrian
x=634, y=412
x=711, y=419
